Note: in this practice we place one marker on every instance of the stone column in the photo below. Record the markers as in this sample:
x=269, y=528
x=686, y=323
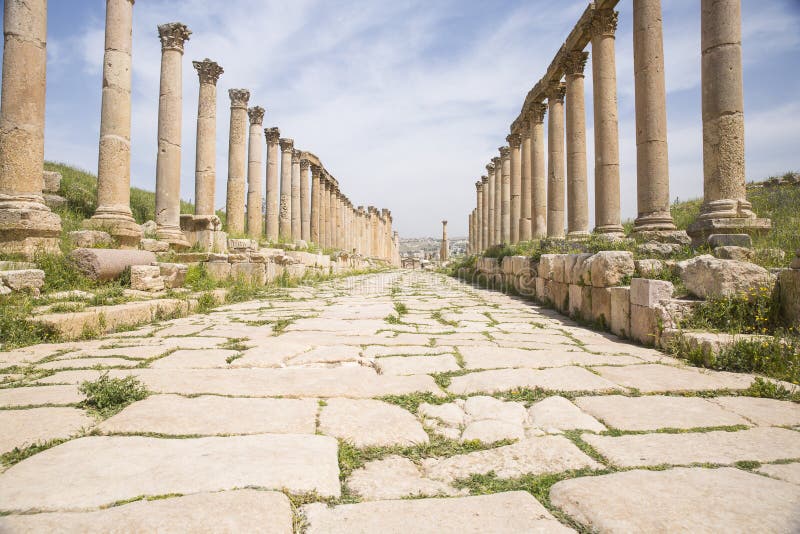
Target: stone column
x=652, y=169
x=237, y=156
x=498, y=201
x=490, y=209
x=26, y=223
x=113, y=213
x=577, y=188
x=254, y=173
x=538, y=176
x=514, y=141
x=305, y=208
x=525, y=226
x=606, y=128
x=296, y=228
x=725, y=207
x=555, y=162
x=285, y=209
x=205, y=168
x=273, y=193
x=315, y=198
x=332, y=219
x=323, y=209
x=485, y=217
x=477, y=223
x=505, y=157
x=444, y=249
x=168, y=162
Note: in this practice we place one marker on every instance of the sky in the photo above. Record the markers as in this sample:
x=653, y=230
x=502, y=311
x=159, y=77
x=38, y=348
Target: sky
x=405, y=101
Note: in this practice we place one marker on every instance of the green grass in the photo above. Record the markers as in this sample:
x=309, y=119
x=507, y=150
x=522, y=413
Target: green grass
x=107, y=396
x=16, y=330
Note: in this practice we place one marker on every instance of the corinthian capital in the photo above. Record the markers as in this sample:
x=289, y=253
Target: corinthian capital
x=256, y=115
x=514, y=140
x=209, y=71
x=304, y=164
x=239, y=97
x=173, y=35
x=485, y=179
x=604, y=22
x=496, y=163
x=504, y=151
x=574, y=62
x=272, y=134
x=537, y=112
x=490, y=168
x=295, y=156
x=479, y=186
x=556, y=91
x=286, y=144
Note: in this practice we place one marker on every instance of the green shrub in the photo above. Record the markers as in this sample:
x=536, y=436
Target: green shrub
x=16, y=329
x=768, y=389
x=755, y=312
x=198, y=279
x=108, y=396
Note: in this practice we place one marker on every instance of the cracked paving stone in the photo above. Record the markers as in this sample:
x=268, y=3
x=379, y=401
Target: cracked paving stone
x=367, y=422
x=22, y=428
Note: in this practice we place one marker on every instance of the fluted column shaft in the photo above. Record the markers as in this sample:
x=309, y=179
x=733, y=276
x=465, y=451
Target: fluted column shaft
x=505, y=206
x=485, y=224
x=237, y=156
x=205, y=169
x=515, y=157
x=305, y=207
x=255, y=173
x=113, y=212
x=492, y=187
x=477, y=240
x=555, y=162
x=168, y=160
x=285, y=209
x=323, y=211
x=314, y=212
x=606, y=128
x=332, y=223
x=273, y=192
x=498, y=201
x=525, y=225
x=652, y=167
x=538, y=173
x=295, y=191
x=577, y=187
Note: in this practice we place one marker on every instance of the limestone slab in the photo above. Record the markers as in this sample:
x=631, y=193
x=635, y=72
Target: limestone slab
x=195, y=359
x=538, y=455
x=88, y=363
x=37, y=395
x=720, y=447
x=22, y=428
x=331, y=354
x=368, y=422
x=491, y=431
x=762, y=411
x=501, y=513
x=117, y=468
x=379, y=351
x=495, y=358
x=416, y=365
x=651, y=412
x=395, y=477
x=482, y=407
x=556, y=413
x=680, y=500
x=787, y=472
x=561, y=378
x=228, y=511
x=651, y=378
x=210, y=415
x=450, y=413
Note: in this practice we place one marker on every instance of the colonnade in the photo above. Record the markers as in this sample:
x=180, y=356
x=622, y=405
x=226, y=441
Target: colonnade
x=516, y=201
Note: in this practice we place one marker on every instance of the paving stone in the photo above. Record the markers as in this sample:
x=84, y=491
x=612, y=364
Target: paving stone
x=762, y=411
x=560, y=378
x=652, y=412
x=495, y=358
x=195, y=359
x=228, y=511
x=556, y=413
x=450, y=414
x=680, y=500
x=272, y=354
x=395, y=477
x=787, y=472
x=117, y=468
x=651, y=378
x=210, y=415
x=491, y=431
x=416, y=365
x=88, y=363
x=378, y=351
x=368, y=422
x=719, y=447
x=23, y=428
x=539, y=455
x=501, y=513
x=482, y=407
x=38, y=395
x=327, y=355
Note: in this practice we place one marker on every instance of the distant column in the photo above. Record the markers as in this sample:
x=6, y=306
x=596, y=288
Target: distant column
x=477, y=222
x=323, y=209
x=305, y=208
x=505, y=206
x=486, y=206
x=296, y=215
x=514, y=141
x=525, y=225
x=237, y=156
x=315, y=199
x=577, y=188
x=285, y=209
x=444, y=250
x=332, y=219
x=168, y=161
x=555, y=162
x=255, y=173
x=606, y=127
x=205, y=169
x=652, y=166
x=272, y=216
x=538, y=174
x=113, y=213
x=490, y=209
x=498, y=201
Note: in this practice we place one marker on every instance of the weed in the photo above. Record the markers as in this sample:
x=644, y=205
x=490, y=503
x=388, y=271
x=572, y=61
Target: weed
x=400, y=308
x=768, y=389
x=16, y=455
x=107, y=396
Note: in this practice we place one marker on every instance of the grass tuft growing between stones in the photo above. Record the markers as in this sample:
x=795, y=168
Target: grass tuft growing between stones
x=411, y=401
x=107, y=396
x=768, y=389
x=18, y=454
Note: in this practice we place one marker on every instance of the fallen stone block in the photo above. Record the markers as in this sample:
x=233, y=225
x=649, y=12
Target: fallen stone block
x=154, y=245
x=611, y=268
x=108, y=264
x=146, y=278
x=647, y=293
x=706, y=276
x=253, y=273
x=173, y=274
x=23, y=280
x=734, y=253
x=90, y=238
x=730, y=240
x=648, y=266
x=51, y=181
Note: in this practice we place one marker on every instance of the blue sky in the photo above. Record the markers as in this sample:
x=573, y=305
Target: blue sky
x=405, y=101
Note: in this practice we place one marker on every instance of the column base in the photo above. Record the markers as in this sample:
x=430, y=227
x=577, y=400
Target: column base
x=675, y=237
x=27, y=226
x=654, y=222
x=172, y=235
x=121, y=226
x=578, y=235
x=703, y=227
x=611, y=231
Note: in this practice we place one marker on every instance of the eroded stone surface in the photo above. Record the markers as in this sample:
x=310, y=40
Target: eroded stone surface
x=762, y=411
x=368, y=422
x=556, y=413
x=416, y=365
x=23, y=428
x=787, y=472
x=37, y=395
x=680, y=500
x=561, y=378
x=652, y=378
x=395, y=477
